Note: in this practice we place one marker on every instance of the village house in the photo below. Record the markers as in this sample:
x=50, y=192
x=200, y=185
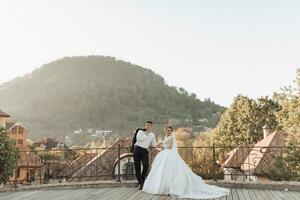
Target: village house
x=3, y=119
x=29, y=165
x=51, y=147
x=253, y=162
x=104, y=164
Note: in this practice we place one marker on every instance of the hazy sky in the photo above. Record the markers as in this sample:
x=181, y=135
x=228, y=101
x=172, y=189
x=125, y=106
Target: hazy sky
x=214, y=48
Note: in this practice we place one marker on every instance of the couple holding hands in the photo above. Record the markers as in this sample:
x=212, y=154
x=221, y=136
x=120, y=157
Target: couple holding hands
x=169, y=173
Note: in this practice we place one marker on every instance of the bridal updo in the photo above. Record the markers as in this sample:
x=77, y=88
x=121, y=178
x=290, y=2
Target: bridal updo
x=169, y=128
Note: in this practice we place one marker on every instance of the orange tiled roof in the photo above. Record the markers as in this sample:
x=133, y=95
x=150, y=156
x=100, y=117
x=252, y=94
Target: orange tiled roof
x=237, y=156
x=9, y=125
x=3, y=114
x=28, y=158
x=259, y=157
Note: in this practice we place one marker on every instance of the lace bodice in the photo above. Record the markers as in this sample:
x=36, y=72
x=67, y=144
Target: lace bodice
x=167, y=141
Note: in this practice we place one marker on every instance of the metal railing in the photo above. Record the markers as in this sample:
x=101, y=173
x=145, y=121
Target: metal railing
x=245, y=163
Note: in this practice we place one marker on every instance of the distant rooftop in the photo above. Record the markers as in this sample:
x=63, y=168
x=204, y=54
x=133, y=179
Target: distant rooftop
x=3, y=114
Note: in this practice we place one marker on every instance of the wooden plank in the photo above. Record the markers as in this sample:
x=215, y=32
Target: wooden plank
x=227, y=197
x=252, y=194
x=85, y=194
x=257, y=194
x=288, y=195
x=116, y=192
x=276, y=194
x=240, y=193
x=174, y=198
x=146, y=196
x=230, y=195
x=235, y=195
x=263, y=195
x=157, y=197
x=100, y=193
x=23, y=195
x=166, y=197
x=137, y=195
x=53, y=194
x=246, y=194
x=56, y=194
x=11, y=195
x=279, y=195
x=272, y=195
x=296, y=195
x=81, y=194
x=128, y=192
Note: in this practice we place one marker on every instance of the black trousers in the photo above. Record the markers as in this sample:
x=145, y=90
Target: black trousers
x=140, y=155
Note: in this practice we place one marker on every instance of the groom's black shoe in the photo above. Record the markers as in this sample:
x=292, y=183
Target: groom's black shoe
x=141, y=186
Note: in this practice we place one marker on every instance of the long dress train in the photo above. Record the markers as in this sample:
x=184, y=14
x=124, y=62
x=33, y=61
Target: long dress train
x=169, y=174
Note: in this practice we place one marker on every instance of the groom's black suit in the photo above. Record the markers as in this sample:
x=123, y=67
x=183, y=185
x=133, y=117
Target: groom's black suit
x=144, y=139
x=140, y=155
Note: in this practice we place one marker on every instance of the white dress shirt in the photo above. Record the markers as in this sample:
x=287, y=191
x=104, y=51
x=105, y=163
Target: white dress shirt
x=145, y=140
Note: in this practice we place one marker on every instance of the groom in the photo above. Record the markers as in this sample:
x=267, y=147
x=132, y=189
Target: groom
x=144, y=139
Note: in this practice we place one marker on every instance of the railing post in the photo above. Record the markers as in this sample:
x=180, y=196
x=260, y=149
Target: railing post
x=16, y=168
x=119, y=164
x=214, y=162
x=41, y=174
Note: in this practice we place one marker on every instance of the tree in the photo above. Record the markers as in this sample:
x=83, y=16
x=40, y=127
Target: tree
x=268, y=109
x=242, y=123
x=203, y=156
x=289, y=118
x=7, y=156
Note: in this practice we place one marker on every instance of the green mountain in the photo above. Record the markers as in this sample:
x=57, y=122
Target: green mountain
x=100, y=92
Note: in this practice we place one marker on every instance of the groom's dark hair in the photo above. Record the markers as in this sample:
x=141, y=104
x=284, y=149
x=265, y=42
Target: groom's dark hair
x=149, y=122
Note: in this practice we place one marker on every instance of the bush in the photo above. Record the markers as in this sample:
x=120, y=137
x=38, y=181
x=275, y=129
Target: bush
x=279, y=171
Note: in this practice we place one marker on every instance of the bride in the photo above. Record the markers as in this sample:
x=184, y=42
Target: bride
x=169, y=174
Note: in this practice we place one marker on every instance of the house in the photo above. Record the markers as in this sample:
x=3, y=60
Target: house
x=55, y=155
x=29, y=166
x=3, y=119
x=104, y=164
x=49, y=144
x=52, y=148
x=232, y=164
x=253, y=162
x=17, y=131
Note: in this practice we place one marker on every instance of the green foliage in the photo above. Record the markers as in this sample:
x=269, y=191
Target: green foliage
x=293, y=161
x=286, y=168
x=289, y=116
x=279, y=170
x=7, y=156
x=99, y=92
x=242, y=123
x=46, y=156
x=289, y=119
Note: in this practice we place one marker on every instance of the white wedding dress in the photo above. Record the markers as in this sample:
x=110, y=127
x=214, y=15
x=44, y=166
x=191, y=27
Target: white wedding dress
x=169, y=174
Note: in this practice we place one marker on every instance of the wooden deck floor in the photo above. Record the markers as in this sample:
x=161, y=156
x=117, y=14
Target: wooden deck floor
x=129, y=193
